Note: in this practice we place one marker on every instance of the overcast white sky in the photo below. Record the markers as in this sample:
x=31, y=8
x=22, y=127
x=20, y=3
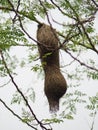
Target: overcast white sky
x=26, y=78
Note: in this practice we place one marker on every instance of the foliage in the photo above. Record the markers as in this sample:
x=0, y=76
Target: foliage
x=93, y=105
x=26, y=116
x=77, y=38
x=10, y=35
x=29, y=94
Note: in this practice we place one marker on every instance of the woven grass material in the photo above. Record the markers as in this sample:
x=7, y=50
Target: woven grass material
x=55, y=83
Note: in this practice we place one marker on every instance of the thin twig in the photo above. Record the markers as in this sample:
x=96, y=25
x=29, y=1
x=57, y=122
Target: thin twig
x=21, y=22
x=16, y=11
x=58, y=7
x=71, y=62
x=16, y=115
x=19, y=12
x=5, y=84
x=41, y=3
x=93, y=120
x=81, y=63
x=90, y=41
x=26, y=101
x=95, y=3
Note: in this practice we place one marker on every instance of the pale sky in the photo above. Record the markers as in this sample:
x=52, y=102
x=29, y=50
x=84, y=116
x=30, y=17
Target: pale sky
x=26, y=78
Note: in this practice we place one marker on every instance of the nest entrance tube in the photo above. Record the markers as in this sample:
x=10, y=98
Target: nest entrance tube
x=53, y=106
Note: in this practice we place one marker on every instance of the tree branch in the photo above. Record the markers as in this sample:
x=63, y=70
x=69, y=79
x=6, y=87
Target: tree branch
x=61, y=10
x=19, y=12
x=90, y=41
x=67, y=38
x=16, y=86
x=95, y=3
x=82, y=63
x=16, y=114
x=16, y=10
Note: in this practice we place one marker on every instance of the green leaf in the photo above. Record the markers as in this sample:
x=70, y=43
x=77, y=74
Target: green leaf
x=26, y=116
x=69, y=116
